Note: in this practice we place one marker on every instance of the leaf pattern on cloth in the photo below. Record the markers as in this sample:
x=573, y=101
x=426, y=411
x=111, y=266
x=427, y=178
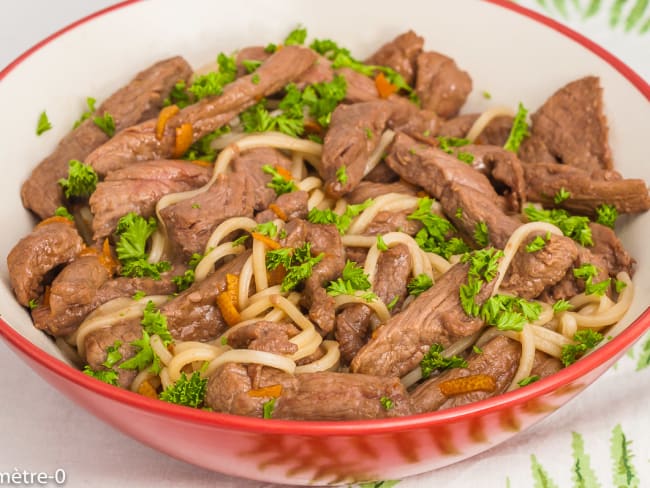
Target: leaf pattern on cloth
x=583, y=475
x=623, y=471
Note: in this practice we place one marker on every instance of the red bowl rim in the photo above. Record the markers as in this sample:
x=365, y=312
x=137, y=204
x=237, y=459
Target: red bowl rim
x=363, y=427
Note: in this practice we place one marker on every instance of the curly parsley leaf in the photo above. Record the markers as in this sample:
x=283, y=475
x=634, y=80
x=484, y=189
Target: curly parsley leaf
x=143, y=358
x=63, y=212
x=352, y=279
x=381, y=244
x=202, y=149
x=481, y=234
x=106, y=123
x=81, y=181
x=419, y=284
x=342, y=222
x=211, y=84
x=342, y=175
x=296, y=37
x=386, y=402
x=268, y=407
x=536, y=244
x=509, y=313
x=528, y=380
x=134, y=231
x=519, y=130
x=155, y=323
x=434, y=360
x=298, y=263
x=107, y=376
x=113, y=355
x=90, y=103
x=43, y=124
x=178, y=96
x=188, y=392
x=588, y=272
x=575, y=227
x=606, y=215
x=585, y=340
x=251, y=64
x=561, y=195
x=561, y=305
x=279, y=183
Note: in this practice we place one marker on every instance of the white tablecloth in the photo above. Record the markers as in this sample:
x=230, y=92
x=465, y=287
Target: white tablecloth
x=43, y=431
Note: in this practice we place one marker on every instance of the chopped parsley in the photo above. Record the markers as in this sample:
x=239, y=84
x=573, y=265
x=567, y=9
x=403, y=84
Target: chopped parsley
x=105, y=123
x=113, y=355
x=240, y=240
x=575, y=227
x=63, y=212
x=251, y=64
x=459, y=213
x=465, y=157
x=369, y=134
x=585, y=340
x=296, y=37
x=509, y=313
x=90, y=103
x=536, y=244
x=255, y=79
x=476, y=349
x=588, y=272
x=481, y=234
x=381, y=244
x=342, y=222
x=211, y=84
x=528, y=380
x=138, y=295
x=419, y=284
x=352, y=279
x=433, y=235
x=606, y=215
x=434, y=360
x=202, y=149
x=144, y=357
x=189, y=392
x=258, y=119
x=619, y=285
x=134, y=231
x=386, y=402
x=561, y=195
x=155, y=323
x=268, y=229
x=81, y=181
x=43, y=124
x=107, y=376
x=562, y=305
x=342, y=175
x=391, y=305
x=519, y=130
x=483, y=266
x=268, y=407
x=178, y=96
x=298, y=263
x=184, y=281
x=278, y=182
x=487, y=95
x=32, y=304
x=450, y=146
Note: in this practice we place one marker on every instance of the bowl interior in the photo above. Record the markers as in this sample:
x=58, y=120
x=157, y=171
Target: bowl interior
x=510, y=56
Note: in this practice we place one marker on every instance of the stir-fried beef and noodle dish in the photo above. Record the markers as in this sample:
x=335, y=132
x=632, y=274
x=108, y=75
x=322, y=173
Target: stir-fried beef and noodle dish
x=295, y=233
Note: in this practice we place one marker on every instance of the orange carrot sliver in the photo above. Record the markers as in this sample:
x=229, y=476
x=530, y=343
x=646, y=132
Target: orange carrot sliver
x=55, y=219
x=273, y=391
x=228, y=310
x=278, y=211
x=468, y=384
x=184, y=139
x=270, y=243
x=232, y=288
x=384, y=87
x=284, y=172
x=163, y=117
x=106, y=258
x=145, y=389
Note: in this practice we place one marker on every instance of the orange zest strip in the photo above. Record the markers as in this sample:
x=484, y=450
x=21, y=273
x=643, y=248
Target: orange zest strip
x=88, y=251
x=106, y=258
x=384, y=87
x=278, y=211
x=145, y=389
x=55, y=219
x=468, y=384
x=46, y=296
x=200, y=162
x=273, y=391
x=228, y=311
x=232, y=288
x=270, y=243
x=184, y=139
x=164, y=116
x=284, y=172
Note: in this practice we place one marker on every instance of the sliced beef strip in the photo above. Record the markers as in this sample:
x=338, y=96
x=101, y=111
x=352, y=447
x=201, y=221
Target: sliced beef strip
x=34, y=259
x=381, y=174
x=354, y=133
x=265, y=336
x=545, y=365
x=610, y=250
x=139, y=143
x=68, y=320
x=433, y=169
x=309, y=396
x=190, y=222
x=499, y=359
x=385, y=222
x=435, y=316
x=572, y=126
x=138, y=100
x=193, y=315
x=97, y=343
x=360, y=88
x=531, y=272
x=458, y=126
x=327, y=240
x=137, y=188
x=544, y=180
x=504, y=170
x=292, y=205
x=391, y=278
x=368, y=189
x=441, y=85
x=400, y=54
x=251, y=53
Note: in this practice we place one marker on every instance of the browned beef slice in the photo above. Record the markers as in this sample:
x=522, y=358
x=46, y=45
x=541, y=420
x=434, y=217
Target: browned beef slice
x=610, y=250
x=476, y=208
x=587, y=191
x=193, y=315
x=433, y=169
x=385, y=222
x=139, y=143
x=354, y=134
x=138, y=100
x=496, y=132
x=36, y=255
x=391, y=278
x=191, y=222
x=360, y=88
x=310, y=396
x=265, y=336
x=251, y=53
x=458, y=126
x=98, y=342
x=435, y=316
x=381, y=174
x=324, y=239
x=400, y=54
x=137, y=188
x=572, y=126
x=368, y=189
x=441, y=85
x=531, y=272
x=545, y=365
x=504, y=170
x=67, y=320
x=499, y=359
x=292, y=205
x=250, y=163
